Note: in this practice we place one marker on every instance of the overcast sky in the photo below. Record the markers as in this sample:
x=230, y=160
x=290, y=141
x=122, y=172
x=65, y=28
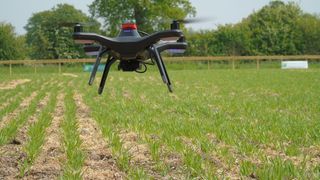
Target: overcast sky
x=17, y=12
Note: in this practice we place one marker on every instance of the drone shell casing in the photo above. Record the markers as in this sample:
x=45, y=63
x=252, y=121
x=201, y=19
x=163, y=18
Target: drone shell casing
x=128, y=45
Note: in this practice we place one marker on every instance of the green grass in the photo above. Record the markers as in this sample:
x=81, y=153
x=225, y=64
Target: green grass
x=247, y=122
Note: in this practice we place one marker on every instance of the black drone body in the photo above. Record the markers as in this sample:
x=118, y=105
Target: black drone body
x=131, y=49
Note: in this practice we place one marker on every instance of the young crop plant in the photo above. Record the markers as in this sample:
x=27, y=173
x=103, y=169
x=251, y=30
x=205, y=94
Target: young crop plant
x=217, y=124
x=37, y=132
x=72, y=142
x=16, y=97
x=10, y=130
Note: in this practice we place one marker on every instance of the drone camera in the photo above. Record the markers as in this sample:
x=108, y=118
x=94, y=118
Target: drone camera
x=129, y=65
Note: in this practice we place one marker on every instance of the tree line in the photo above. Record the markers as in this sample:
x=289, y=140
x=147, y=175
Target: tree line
x=277, y=29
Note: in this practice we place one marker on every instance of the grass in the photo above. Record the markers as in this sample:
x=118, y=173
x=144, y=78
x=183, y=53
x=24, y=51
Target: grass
x=220, y=123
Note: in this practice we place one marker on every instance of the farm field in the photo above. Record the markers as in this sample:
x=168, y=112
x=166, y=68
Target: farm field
x=234, y=124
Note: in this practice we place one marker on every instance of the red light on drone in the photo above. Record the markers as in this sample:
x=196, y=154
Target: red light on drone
x=129, y=26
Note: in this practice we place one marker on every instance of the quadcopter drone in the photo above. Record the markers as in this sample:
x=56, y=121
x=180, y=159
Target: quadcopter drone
x=134, y=49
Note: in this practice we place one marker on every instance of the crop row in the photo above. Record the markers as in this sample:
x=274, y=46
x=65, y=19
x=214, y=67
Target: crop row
x=223, y=126
x=215, y=125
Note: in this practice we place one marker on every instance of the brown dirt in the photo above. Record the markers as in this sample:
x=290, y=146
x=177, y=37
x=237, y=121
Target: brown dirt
x=48, y=163
x=25, y=103
x=126, y=94
x=12, y=154
x=141, y=156
x=313, y=156
x=70, y=75
x=231, y=171
x=10, y=157
x=111, y=78
x=151, y=78
x=143, y=97
x=310, y=156
x=140, y=153
x=13, y=84
x=174, y=161
x=99, y=163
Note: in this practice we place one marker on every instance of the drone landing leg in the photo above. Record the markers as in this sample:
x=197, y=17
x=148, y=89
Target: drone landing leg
x=96, y=65
x=110, y=61
x=162, y=69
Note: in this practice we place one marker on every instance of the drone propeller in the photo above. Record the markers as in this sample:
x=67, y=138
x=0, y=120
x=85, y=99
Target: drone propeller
x=77, y=26
x=72, y=24
x=193, y=20
x=175, y=23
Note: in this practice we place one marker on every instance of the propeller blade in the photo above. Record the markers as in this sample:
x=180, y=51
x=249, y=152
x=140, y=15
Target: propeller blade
x=194, y=20
x=71, y=24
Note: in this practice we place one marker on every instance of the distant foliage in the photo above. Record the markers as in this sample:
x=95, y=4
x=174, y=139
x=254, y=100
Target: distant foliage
x=150, y=15
x=276, y=29
x=11, y=46
x=49, y=40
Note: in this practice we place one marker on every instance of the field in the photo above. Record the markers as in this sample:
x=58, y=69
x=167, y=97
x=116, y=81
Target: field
x=234, y=124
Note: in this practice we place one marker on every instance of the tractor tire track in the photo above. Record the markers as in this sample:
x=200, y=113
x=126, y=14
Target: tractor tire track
x=99, y=163
x=48, y=164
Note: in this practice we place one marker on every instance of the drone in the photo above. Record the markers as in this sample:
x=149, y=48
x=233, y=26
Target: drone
x=134, y=49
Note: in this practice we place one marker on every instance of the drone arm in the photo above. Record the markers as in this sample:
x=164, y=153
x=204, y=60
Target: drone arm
x=165, y=35
x=171, y=45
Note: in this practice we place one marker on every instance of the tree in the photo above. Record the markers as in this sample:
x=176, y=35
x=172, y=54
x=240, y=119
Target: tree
x=48, y=40
x=150, y=15
x=274, y=29
x=11, y=45
x=309, y=26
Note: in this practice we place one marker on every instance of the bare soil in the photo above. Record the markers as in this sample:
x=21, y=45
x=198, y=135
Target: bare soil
x=310, y=156
x=99, y=162
x=231, y=171
x=70, y=75
x=141, y=156
x=13, y=84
